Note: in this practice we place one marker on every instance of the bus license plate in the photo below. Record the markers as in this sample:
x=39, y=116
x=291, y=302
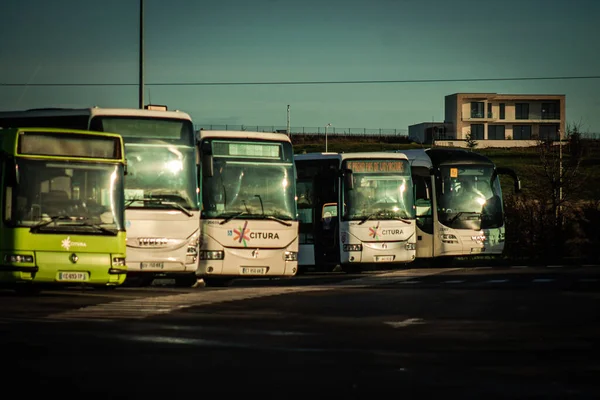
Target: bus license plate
x=73, y=277
x=152, y=265
x=384, y=258
x=254, y=271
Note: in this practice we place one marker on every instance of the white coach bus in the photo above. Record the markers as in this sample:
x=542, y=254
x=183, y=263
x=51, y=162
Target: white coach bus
x=249, y=219
x=356, y=210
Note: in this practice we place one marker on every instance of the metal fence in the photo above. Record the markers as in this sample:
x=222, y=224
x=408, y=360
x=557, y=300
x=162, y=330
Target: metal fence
x=307, y=130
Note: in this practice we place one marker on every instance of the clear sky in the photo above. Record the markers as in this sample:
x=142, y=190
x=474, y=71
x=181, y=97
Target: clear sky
x=211, y=41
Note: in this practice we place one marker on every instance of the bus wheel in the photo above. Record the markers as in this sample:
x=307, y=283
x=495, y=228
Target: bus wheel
x=352, y=269
x=187, y=280
x=27, y=289
x=105, y=288
x=138, y=281
x=217, y=282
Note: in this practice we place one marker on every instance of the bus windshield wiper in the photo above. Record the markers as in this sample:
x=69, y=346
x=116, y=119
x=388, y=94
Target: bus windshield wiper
x=232, y=216
x=158, y=200
x=281, y=221
x=368, y=217
x=462, y=213
x=385, y=215
x=52, y=219
x=397, y=218
x=100, y=227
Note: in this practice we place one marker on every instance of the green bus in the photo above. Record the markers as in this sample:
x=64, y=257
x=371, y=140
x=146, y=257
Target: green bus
x=62, y=205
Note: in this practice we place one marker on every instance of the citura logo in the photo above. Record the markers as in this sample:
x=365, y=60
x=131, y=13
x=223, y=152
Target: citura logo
x=374, y=231
x=242, y=234
x=67, y=244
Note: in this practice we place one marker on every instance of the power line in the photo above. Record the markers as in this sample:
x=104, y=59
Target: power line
x=539, y=78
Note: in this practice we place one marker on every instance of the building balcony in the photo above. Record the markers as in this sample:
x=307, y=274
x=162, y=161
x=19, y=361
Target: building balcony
x=479, y=117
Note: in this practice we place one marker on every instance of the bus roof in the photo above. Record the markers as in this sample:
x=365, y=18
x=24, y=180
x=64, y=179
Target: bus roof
x=417, y=157
x=208, y=134
x=95, y=111
x=350, y=156
x=440, y=156
x=444, y=156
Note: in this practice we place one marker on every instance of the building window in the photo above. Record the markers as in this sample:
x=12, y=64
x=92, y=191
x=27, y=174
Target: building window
x=477, y=109
x=551, y=110
x=502, y=111
x=549, y=132
x=522, y=132
x=489, y=112
x=496, y=132
x=477, y=131
x=521, y=110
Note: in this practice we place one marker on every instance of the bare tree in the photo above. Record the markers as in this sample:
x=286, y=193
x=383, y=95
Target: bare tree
x=559, y=182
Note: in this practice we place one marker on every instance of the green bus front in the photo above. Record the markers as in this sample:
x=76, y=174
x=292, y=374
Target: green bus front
x=62, y=208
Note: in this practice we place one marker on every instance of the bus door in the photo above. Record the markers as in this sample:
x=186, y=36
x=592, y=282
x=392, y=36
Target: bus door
x=306, y=221
x=424, y=211
x=329, y=233
x=327, y=251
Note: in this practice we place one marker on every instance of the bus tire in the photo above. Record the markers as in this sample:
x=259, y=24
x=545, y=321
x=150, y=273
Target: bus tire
x=187, y=280
x=352, y=269
x=217, y=282
x=27, y=289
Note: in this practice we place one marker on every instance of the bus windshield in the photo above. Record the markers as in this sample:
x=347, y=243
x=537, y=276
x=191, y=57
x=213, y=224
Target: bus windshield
x=382, y=189
x=52, y=196
x=161, y=161
x=469, y=197
x=250, y=190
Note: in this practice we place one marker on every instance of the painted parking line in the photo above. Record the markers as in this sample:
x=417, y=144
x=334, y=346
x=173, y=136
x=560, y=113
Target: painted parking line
x=140, y=308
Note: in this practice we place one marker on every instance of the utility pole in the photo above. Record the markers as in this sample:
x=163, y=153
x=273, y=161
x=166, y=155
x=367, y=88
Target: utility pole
x=326, y=126
x=288, y=120
x=141, y=77
x=560, y=172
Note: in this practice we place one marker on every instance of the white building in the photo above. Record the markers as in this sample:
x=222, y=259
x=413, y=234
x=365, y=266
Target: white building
x=500, y=120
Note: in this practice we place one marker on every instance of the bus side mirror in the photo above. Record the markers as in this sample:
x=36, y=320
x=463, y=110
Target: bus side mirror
x=348, y=179
x=511, y=172
x=12, y=171
x=207, y=160
x=207, y=166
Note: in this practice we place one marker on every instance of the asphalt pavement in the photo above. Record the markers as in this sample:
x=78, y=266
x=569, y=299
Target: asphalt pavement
x=517, y=332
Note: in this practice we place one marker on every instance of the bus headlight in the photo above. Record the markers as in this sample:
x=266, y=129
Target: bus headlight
x=119, y=266
x=118, y=262
x=212, y=254
x=353, y=247
x=18, y=258
x=192, y=251
x=411, y=246
x=291, y=256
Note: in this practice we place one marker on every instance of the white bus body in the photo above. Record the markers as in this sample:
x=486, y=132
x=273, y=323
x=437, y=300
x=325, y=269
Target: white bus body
x=249, y=220
x=161, y=188
x=356, y=210
x=459, y=204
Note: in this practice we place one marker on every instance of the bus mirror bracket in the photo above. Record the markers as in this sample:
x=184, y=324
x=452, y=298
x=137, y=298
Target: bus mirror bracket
x=207, y=166
x=348, y=180
x=207, y=159
x=511, y=172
